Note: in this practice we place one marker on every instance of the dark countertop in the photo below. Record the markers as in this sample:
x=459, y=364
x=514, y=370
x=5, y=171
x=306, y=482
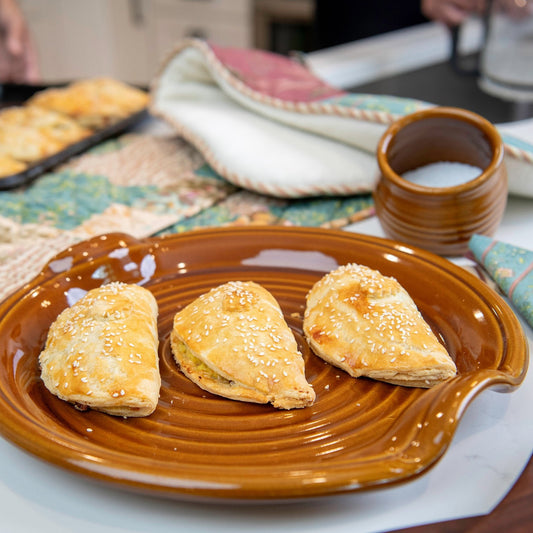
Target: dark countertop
x=440, y=84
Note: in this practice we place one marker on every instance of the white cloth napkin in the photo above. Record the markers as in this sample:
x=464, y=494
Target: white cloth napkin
x=268, y=124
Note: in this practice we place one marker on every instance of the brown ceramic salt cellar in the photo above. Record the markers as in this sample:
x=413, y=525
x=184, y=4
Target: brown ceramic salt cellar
x=440, y=219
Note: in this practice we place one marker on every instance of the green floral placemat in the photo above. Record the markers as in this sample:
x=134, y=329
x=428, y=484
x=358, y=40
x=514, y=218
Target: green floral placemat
x=142, y=185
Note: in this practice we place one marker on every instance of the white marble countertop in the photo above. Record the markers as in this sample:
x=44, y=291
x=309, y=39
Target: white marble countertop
x=493, y=443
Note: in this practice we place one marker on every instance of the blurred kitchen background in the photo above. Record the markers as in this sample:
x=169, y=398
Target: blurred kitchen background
x=128, y=39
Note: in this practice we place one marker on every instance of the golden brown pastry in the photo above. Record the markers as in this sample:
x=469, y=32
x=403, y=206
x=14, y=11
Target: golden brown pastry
x=10, y=166
x=63, y=101
x=368, y=325
x=102, y=352
x=51, y=124
x=26, y=144
x=233, y=341
x=94, y=103
x=120, y=97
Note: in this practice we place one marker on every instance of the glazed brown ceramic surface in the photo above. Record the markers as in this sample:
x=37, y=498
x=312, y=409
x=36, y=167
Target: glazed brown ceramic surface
x=440, y=219
x=359, y=434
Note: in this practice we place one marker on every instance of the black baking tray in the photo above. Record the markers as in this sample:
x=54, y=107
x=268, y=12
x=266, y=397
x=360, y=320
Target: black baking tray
x=16, y=95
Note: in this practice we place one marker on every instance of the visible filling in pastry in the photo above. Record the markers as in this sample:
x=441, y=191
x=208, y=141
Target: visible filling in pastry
x=203, y=371
x=234, y=342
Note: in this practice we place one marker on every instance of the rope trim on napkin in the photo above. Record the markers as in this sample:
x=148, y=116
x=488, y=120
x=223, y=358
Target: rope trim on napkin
x=241, y=181
x=518, y=153
x=287, y=105
x=315, y=107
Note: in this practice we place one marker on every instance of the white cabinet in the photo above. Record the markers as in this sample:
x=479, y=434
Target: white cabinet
x=225, y=22
x=72, y=36
x=127, y=39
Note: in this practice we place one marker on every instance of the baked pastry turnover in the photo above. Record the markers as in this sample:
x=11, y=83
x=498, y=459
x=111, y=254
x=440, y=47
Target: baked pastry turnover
x=26, y=144
x=102, y=352
x=54, y=126
x=234, y=342
x=57, y=118
x=9, y=165
x=94, y=103
x=367, y=324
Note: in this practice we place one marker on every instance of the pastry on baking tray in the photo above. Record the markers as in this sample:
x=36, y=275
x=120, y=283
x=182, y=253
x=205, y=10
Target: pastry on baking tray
x=233, y=341
x=94, y=103
x=10, y=166
x=102, y=353
x=120, y=97
x=61, y=100
x=51, y=124
x=367, y=324
x=26, y=144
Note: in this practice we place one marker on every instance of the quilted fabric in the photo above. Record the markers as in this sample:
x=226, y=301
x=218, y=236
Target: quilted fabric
x=143, y=185
x=268, y=124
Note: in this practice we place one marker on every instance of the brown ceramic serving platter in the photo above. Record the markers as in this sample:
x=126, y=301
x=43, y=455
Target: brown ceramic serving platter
x=359, y=434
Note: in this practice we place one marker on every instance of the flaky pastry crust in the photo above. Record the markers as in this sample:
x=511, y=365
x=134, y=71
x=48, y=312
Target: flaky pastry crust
x=94, y=103
x=10, y=165
x=102, y=352
x=57, y=127
x=368, y=325
x=26, y=144
x=234, y=342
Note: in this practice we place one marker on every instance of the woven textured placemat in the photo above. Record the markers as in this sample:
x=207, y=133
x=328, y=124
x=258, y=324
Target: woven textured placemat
x=143, y=185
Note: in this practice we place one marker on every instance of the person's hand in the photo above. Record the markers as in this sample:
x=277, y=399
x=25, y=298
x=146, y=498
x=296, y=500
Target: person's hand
x=516, y=9
x=18, y=56
x=451, y=12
